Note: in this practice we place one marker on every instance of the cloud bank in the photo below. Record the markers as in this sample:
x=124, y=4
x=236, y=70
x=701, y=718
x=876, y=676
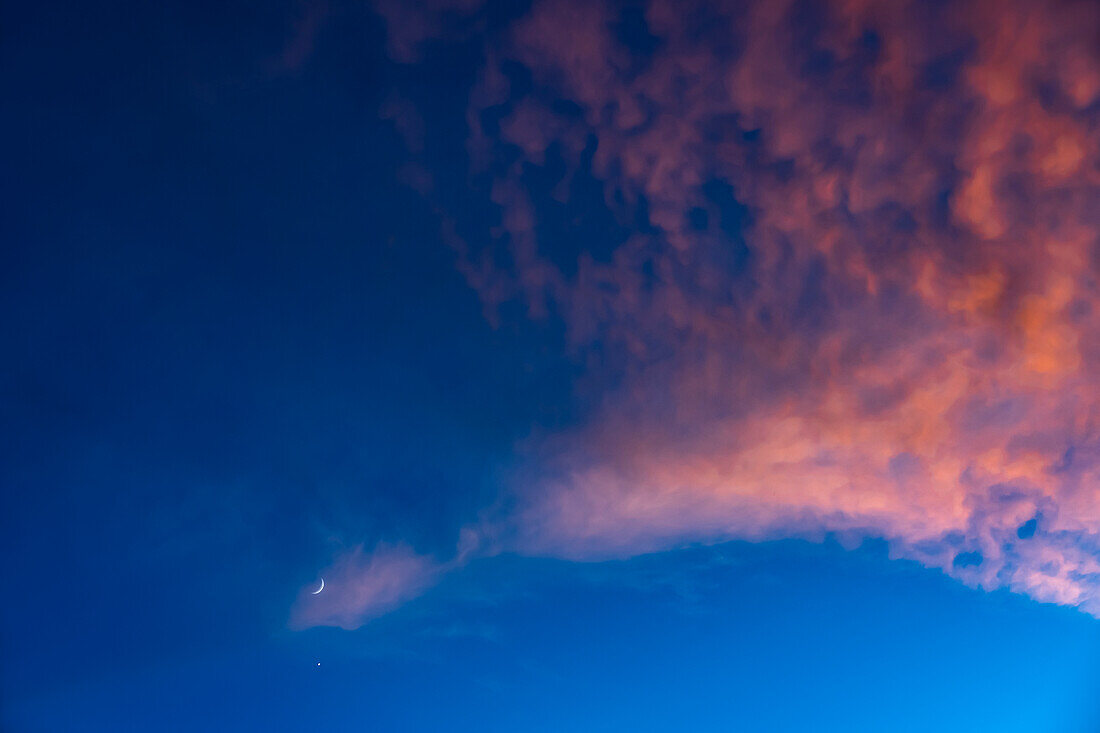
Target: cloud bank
x=852, y=287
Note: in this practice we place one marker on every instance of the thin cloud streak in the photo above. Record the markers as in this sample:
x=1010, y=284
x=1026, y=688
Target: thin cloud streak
x=363, y=585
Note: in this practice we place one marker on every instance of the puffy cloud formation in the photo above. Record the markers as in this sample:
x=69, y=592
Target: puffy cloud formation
x=851, y=286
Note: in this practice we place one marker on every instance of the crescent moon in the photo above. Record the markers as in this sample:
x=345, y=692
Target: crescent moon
x=321, y=588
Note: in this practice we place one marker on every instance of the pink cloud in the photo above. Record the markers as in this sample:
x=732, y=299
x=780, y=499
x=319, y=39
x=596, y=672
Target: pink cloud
x=362, y=585
x=912, y=348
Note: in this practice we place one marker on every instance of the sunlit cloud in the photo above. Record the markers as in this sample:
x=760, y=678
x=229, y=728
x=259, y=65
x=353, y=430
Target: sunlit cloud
x=362, y=585
x=863, y=299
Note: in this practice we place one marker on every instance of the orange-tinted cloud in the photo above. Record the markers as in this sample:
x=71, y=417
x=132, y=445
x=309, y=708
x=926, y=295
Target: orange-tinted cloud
x=865, y=300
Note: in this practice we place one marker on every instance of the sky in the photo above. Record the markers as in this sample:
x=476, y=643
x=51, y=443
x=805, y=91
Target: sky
x=618, y=366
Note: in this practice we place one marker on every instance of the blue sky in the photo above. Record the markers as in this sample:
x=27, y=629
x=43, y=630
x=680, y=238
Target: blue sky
x=269, y=296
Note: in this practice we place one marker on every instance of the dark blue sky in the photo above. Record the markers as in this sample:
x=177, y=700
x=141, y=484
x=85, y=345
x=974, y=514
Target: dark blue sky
x=237, y=344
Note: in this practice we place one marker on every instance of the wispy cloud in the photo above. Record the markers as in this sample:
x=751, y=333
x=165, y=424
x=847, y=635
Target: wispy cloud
x=362, y=585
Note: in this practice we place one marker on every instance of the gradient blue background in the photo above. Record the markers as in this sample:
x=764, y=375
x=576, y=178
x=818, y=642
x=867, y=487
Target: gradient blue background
x=230, y=333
